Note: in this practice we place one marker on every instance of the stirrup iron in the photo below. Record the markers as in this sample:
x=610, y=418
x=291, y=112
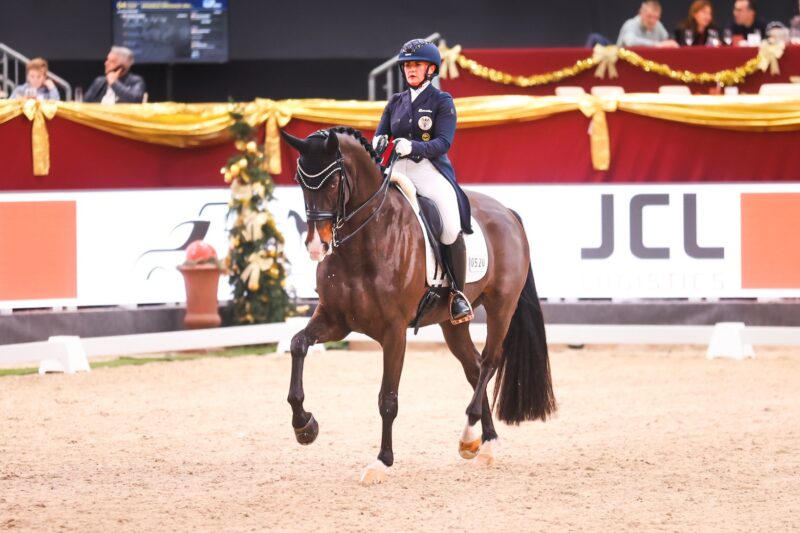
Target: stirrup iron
x=463, y=319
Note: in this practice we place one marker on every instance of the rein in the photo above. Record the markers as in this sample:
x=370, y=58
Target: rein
x=340, y=217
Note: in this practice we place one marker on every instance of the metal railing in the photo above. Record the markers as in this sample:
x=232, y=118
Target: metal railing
x=388, y=68
x=12, y=63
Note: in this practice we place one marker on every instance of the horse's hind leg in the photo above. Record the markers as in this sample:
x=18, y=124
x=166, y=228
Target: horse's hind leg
x=460, y=343
x=498, y=318
x=319, y=329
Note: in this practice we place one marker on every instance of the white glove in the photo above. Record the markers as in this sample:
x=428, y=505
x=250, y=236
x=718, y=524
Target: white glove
x=377, y=140
x=402, y=147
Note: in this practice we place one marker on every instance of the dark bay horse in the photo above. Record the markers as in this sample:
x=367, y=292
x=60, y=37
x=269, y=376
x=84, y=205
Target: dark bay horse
x=371, y=277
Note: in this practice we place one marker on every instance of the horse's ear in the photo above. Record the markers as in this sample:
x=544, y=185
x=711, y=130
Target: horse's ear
x=298, y=144
x=331, y=144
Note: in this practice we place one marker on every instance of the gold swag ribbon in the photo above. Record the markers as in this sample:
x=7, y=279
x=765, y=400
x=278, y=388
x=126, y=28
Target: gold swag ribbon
x=606, y=59
x=256, y=264
x=9, y=109
x=37, y=112
x=768, y=55
x=596, y=108
x=449, y=68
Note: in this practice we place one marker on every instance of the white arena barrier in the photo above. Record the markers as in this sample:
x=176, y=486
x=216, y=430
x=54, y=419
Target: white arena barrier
x=71, y=354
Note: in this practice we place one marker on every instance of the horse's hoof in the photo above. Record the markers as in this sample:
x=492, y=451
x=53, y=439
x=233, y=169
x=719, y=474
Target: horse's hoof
x=308, y=433
x=374, y=473
x=486, y=455
x=469, y=450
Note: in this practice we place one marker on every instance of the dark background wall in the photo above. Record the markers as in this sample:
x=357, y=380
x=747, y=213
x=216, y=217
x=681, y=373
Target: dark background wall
x=315, y=48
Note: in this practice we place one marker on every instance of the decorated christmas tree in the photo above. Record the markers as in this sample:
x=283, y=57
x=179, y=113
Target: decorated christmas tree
x=256, y=260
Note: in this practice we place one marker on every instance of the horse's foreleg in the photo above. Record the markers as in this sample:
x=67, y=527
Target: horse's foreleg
x=394, y=348
x=318, y=330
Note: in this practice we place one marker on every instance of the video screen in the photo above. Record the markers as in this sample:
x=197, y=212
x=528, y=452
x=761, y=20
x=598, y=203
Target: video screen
x=194, y=31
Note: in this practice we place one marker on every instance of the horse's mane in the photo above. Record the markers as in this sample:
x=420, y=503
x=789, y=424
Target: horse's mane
x=357, y=135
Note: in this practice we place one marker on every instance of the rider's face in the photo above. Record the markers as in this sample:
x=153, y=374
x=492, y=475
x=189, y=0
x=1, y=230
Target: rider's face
x=415, y=71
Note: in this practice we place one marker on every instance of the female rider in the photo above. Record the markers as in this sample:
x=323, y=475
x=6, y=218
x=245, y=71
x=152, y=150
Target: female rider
x=422, y=120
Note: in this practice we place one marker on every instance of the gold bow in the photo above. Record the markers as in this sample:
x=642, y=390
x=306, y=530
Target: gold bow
x=240, y=192
x=596, y=108
x=768, y=56
x=278, y=116
x=605, y=57
x=449, y=61
x=253, y=225
x=256, y=264
x=244, y=193
x=259, y=190
x=37, y=112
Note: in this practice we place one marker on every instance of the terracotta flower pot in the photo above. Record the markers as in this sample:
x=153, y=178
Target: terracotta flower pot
x=202, y=308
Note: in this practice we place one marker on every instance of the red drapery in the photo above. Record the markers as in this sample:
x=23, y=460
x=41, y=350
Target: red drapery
x=525, y=62
x=552, y=150
x=557, y=150
x=85, y=158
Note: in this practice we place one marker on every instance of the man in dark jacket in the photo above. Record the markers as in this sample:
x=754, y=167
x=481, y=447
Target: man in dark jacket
x=118, y=85
x=746, y=21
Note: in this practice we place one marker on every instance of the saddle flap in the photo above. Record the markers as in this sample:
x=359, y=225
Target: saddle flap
x=431, y=217
x=431, y=224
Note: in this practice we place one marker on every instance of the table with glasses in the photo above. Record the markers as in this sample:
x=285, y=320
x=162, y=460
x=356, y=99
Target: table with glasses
x=528, y=62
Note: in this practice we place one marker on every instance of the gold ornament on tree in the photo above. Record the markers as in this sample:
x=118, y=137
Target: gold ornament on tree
x=256, y=261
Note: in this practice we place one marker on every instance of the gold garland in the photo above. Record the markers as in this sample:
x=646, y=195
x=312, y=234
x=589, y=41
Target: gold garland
x=733, y=76
x=498, y=76
x=768, y=54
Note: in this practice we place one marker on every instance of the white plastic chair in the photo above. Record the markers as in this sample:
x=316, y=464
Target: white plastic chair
x=675, y=90
x=780, y=89
x=569, y=90
x=607, y=90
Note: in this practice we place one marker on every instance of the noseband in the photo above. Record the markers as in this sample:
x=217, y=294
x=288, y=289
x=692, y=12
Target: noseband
x=340, y=216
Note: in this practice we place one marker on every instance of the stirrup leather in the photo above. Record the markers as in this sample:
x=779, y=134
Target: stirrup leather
x=463, y=319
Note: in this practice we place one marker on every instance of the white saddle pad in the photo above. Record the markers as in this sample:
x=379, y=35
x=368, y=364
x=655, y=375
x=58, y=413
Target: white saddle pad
x=477, y=253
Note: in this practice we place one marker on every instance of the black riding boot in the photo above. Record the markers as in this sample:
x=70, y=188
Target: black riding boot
x=455, y=255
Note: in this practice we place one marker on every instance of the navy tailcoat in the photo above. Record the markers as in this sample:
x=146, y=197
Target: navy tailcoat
x=430, y=124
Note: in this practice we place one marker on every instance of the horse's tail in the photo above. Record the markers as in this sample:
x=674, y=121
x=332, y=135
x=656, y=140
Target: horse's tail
x=523, y=388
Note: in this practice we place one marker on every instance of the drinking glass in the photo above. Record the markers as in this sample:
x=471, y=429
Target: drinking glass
x=727, y=36
x=688, y=37
x=713, y=38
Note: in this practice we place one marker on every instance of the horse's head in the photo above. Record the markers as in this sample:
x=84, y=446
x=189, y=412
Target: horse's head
x=320, y=173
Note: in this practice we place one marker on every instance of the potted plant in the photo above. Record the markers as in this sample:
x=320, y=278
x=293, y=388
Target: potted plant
x=201, y=271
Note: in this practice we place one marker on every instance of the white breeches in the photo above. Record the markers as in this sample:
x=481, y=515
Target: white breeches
x=431, y=184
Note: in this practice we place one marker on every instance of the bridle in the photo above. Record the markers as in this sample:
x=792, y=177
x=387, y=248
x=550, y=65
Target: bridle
x=340, y=216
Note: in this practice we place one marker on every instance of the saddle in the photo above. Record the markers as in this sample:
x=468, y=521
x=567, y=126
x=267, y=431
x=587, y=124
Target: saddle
x=431, y=222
